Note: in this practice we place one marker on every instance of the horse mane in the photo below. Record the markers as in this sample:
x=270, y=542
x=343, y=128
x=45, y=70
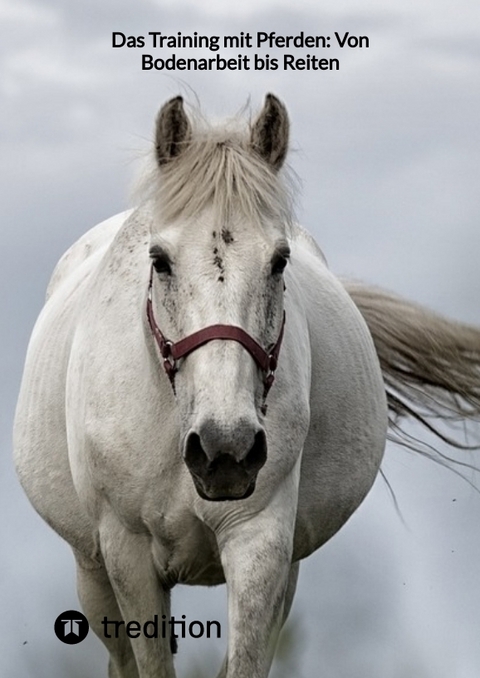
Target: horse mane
x=217, y=169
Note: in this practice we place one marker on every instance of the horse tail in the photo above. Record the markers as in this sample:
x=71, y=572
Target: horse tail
x=430, y=365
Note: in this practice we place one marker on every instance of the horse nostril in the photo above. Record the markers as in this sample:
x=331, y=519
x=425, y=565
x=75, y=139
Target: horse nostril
x=195, y=456
x=257, y=455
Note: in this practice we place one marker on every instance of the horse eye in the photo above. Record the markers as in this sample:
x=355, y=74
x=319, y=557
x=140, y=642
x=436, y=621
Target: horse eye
x=161, y=263
x=279, y=262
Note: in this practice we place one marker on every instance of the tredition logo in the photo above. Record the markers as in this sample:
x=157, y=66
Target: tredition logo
x=71, y=627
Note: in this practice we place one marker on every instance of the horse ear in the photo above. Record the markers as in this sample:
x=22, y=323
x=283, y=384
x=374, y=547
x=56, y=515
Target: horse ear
x=172, y=131
x=269, y=134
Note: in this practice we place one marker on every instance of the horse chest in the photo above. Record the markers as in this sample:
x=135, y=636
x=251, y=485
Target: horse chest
x=185, y=551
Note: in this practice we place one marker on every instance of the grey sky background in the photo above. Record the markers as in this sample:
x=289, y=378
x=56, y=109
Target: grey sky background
x=387, y=150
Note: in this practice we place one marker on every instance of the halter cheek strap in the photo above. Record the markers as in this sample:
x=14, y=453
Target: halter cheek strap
x=171, y=352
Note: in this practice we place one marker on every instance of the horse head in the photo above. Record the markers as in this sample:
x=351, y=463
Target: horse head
x=219, y=247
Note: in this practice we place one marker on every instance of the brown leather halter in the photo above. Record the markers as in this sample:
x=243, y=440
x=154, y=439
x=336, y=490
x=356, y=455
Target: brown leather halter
x=171, y=352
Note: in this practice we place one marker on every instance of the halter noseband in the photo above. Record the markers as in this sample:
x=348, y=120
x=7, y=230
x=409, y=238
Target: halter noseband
x=171, y=352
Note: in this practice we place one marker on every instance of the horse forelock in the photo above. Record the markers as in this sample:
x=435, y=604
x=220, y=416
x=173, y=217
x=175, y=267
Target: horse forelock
x=219, y=170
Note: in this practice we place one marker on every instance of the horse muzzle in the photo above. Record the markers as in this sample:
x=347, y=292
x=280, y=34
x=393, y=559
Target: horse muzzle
x=224, y=464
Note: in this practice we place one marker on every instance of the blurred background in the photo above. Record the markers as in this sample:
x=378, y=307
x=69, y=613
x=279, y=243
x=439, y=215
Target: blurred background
x=387, y=150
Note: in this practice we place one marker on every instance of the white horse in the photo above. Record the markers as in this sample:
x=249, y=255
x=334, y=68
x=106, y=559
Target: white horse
x=142, y=431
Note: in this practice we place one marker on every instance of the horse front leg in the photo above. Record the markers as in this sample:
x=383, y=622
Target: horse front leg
x=140, y=597
x=257, y=561
x=99, y=602
x=289, y=595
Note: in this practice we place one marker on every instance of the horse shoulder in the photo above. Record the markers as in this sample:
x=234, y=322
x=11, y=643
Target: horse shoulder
x=348, y=414
x=40, y=433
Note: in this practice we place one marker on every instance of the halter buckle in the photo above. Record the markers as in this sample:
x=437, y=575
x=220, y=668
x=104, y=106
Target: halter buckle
x=170, y=367
x=272, y=364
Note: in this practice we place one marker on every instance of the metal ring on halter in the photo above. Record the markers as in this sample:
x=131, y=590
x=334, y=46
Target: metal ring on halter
x=166, y=350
